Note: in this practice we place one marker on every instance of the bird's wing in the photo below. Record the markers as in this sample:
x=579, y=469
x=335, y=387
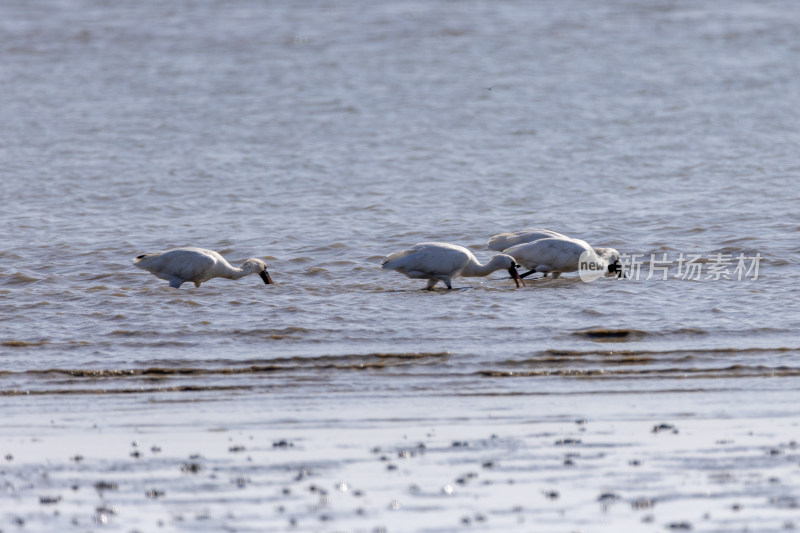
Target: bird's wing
x=561, y=255
x=185, y=264
x=503, y=241
x=558, y=254
x=194, y=264
x=429, y=258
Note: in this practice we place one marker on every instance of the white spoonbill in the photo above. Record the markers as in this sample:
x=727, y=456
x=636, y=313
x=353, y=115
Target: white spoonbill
x=557, y=255
x=503, y=241
x=439, y=261
x=197, y=265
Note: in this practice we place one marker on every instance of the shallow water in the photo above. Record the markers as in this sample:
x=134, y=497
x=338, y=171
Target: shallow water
x=322, y=136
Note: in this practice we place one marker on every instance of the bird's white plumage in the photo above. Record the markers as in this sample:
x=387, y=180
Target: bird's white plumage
x=196, y=265
x=557, y=255
x=503, y=241
x=438, y=261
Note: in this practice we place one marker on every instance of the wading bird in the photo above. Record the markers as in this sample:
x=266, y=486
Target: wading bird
x=557, y=255
x=438, y=261
x=197, y=265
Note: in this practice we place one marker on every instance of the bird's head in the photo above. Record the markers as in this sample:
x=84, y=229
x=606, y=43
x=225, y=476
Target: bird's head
x=253, y=266
x=510, y=264
x=611, y=257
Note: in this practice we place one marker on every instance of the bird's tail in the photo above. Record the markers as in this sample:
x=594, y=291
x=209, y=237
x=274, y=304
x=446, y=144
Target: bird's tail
x=392, y=257
x=140, y=258
x=500, y=242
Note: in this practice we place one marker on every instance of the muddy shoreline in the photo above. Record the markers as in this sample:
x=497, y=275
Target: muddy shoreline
x=679, y=461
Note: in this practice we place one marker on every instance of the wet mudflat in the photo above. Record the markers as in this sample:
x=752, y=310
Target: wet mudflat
x=381, y=462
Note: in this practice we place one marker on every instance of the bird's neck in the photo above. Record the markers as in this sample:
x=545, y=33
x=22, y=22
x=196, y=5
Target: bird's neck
x=231, y=272
x=475, y=269
x=237, y=272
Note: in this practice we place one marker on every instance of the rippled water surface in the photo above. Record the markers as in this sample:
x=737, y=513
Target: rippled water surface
x=322, y=136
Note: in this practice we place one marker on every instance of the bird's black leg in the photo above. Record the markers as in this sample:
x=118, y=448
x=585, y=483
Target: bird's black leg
x=528, y=273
